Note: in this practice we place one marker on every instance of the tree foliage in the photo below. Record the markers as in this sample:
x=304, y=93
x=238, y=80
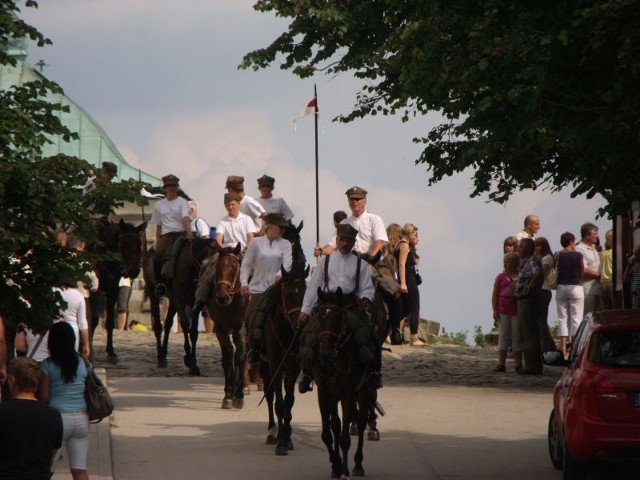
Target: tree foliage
x=533, y=94
x=39, y=195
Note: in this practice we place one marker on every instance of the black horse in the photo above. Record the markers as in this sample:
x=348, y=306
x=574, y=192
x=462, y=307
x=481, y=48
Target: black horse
x=340, y=379
x=181, y=294
x=227, y=307
x=122, y=250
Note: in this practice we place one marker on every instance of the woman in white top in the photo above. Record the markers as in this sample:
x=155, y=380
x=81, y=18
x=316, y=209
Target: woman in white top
x=264, y=258
x=76, y=315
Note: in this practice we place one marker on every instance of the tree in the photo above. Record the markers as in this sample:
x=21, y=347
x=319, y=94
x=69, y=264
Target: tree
x=39, y=195
x=533, y=94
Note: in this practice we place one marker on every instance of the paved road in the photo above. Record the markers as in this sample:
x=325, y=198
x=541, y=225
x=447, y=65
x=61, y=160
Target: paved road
x=169, y=428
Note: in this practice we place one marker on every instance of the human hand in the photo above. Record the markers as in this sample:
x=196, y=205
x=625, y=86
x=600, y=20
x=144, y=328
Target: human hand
x=86, y=350
x=404, y=288
x=244, y=290
x=317, y=251
x=303, y=318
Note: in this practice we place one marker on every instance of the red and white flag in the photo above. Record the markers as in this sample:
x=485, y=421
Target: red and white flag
x=310, y=109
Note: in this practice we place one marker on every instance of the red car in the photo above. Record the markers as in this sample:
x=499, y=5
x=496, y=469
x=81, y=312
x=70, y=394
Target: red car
x=596, y=402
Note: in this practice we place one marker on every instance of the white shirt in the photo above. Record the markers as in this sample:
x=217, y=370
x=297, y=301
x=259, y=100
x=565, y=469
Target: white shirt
x=42, y=352
x=76, y=312
x=264, y=258
x=342, y=273
x=525, y=234
x=200, y=227
x=275, y=204
x=591, y=259
x=370, y=229
x=169, y=214
x=235, y=230
x=249, y=206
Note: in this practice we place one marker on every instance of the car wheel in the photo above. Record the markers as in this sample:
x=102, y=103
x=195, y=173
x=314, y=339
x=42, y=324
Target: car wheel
x=572, y=470
x=556, y=451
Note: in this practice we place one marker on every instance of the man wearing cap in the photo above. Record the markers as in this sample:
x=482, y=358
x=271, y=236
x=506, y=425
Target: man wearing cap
x=172, y=219
x=232, y=229
x=372, y=235
x=248, y=205
x=265, y=256
x=270, y=202
x=347, y=272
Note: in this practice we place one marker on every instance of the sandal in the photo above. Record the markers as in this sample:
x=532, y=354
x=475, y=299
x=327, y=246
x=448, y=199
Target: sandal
x=416, y=342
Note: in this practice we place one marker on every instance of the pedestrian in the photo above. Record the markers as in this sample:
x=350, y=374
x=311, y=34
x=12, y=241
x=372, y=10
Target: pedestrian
x=505, y=312
x=569, y=292
x=531, y=227
x=405, y=255
x=62, y=386
x=546, y=258
x=591, y=273
x=31, y=432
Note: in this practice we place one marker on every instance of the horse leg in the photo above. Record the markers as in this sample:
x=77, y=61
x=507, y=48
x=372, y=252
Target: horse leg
x=373, y=434
x=161, y=356
x=282, y=448
x=110, y=324
x=240, y=359
x=330, y=430
x=364, y=411
x=187, y=324
x=168, y=325
x=227, y=366
x=291, y=375
x=272, y=431
x=348, y=413
x=193, y=337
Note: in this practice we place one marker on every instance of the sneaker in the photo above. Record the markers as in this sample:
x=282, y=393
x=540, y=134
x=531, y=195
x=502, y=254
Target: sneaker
x=306, y=384
x=161, y=290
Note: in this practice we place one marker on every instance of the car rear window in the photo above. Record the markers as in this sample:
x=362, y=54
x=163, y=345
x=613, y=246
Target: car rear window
x=616, y=347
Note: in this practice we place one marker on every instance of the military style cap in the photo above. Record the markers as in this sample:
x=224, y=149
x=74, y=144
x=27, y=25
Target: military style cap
x=234, y=180
x=356, y=192
x=110, y=167
x=276, y=219
x=346, y=230
x=231, y=196
x=266, y=180
x=170, y=180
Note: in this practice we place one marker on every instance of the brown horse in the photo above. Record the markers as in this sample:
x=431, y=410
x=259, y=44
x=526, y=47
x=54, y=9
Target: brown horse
x=227, y=306
x=340, y=379
x=282, y=343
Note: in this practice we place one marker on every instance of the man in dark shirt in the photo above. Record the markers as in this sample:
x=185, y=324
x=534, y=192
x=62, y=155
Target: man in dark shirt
x=31, y=430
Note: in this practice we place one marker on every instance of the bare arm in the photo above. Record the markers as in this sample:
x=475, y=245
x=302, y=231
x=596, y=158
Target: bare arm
x=158, y=232
x=494, y=301
x=43, y=388
x=403, y=248
x=376, y=247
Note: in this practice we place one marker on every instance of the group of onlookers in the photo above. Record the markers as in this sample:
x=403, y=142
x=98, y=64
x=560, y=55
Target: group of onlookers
x=522, y=294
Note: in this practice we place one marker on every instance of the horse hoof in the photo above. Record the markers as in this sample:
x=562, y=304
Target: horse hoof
x=194, y=371
x=353, y=430
x=189, y=361
x=344, y=476
x=238, y=403
x=358, y=471
x=282, y=450
x=373, y=435
x=289, y=445
x=162, y=363
x=227, y=404
x=334, y=474
x=113, y=358
x=271, y=440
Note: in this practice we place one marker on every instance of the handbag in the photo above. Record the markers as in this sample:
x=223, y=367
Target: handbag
x=552, y=276
x=99, y=402
x=418, y=278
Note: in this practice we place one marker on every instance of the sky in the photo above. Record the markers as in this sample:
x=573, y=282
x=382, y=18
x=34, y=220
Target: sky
x=161, y=78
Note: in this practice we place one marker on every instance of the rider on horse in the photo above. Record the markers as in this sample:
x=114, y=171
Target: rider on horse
x=172, y=219
x=341, y=271
x=233, y=229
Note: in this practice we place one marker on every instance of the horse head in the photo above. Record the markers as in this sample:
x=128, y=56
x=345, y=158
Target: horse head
x=331, y=327
x=227, y=276
x=131, y=243
x=293, y=290
x=292, y=233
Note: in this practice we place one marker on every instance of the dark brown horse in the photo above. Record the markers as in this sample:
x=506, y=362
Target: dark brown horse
x=121, y=253
x=227, y=306
x=341, y=380
x=181, y=293
x=282, y=344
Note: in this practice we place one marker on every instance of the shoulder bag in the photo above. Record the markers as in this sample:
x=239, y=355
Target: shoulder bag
x=99, y=402
x=552, y=276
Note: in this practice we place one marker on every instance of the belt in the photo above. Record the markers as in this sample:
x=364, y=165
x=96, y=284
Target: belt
x=172, y=234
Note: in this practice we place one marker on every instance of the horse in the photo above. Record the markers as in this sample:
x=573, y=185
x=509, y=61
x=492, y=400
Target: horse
x=282, y=343
x=123, y=250
x=227, y=306
x=181, y=294
x=340, y=379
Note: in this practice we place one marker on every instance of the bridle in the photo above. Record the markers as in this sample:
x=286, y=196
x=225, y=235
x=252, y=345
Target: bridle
x=233, y=285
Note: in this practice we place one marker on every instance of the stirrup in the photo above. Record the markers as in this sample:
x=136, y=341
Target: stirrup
x=161, y=290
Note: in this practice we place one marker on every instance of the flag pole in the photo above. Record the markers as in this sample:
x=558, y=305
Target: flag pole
x=315, y=117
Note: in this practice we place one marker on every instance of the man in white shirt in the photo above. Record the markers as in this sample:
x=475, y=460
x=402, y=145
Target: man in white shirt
x=269, y=201
x=172, y=219
x=232, y=229
x=531, y=227
x=349, y=273
x=248, y=205
x=591, y=259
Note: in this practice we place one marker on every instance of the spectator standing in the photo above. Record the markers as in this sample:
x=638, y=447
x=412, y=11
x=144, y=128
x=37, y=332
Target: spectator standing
x=527, y=292
x=76, y=315
x=199, y=226
x=591, y=274
x=31, y=431
x=62, y=386
x=122, y=304
x=545, y=255
x=606, y=273
x=531, y=227
x=569, y=293
x=505, y=312
x=405, y=255
x=510, y=244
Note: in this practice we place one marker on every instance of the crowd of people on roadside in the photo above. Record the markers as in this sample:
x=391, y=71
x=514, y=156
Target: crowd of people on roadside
x=522, y=293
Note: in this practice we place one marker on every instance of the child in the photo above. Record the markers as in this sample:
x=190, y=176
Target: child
x=505, y=312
